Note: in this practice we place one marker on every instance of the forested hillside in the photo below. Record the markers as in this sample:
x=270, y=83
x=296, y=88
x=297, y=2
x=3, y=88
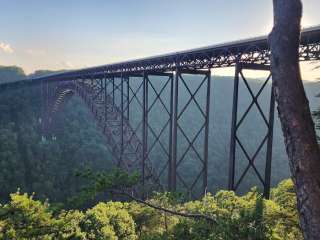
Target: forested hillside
x=11, y=74
x=45, y=166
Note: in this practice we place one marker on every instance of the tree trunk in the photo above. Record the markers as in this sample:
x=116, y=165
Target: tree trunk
x=293, y=108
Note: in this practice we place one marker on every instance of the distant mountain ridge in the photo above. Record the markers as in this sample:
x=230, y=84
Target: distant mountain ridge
x=15, y=73
x=11, y=74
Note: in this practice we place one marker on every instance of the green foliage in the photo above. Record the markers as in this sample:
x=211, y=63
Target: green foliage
x=237, y=218
x=283, y=201
x=152, y=223
x=102, y=180
x=246, y=217
x=25, y=218
x=108, y=221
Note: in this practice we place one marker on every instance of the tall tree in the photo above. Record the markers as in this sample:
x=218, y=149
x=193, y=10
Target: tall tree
x=294, y=112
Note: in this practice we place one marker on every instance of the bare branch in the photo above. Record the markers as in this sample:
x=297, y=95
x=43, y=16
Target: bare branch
x=182, y=214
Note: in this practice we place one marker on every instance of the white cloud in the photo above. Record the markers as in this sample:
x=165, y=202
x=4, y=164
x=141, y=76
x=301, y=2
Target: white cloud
x=35, y=52
x=5, y=47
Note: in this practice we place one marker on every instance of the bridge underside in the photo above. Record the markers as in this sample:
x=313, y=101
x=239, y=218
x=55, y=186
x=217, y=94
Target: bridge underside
x=143, y=118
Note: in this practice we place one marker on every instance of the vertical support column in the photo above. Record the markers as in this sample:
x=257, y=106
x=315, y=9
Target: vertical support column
x=101, y=83
x=175, y=132
x=233, y=128
x=267, y=140
x=113, y=91
x=91, y=98
x=128, y=98
x=144, y=126
x=170, y=165
x=146, y=119
x=82, y=89
x=105, y=98
x=201, y=131
x=267, y=175
x=100, y=97
x=206, y=140
x=122, y=122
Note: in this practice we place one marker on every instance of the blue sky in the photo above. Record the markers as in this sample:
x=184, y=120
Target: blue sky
x=60, y=34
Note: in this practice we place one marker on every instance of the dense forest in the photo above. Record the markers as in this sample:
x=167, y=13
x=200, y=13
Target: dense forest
x=45, y=166
x=43, y=173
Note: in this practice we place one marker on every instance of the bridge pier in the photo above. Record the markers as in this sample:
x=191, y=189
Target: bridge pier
x=189, y=151
x=235, y=125
x=157, y=125
x=144, y=128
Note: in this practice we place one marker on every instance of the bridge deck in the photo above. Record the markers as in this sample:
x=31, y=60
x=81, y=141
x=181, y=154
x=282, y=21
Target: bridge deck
x=253, y=50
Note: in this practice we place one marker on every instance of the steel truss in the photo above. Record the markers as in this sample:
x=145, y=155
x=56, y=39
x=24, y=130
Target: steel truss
x=123, y=97
x=254, y=50
x=199, y=155
x=134, y=145
x=236, y=124
x=110, y=99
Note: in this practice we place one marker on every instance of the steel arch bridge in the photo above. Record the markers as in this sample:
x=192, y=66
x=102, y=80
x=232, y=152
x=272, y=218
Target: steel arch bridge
x=110, y=90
